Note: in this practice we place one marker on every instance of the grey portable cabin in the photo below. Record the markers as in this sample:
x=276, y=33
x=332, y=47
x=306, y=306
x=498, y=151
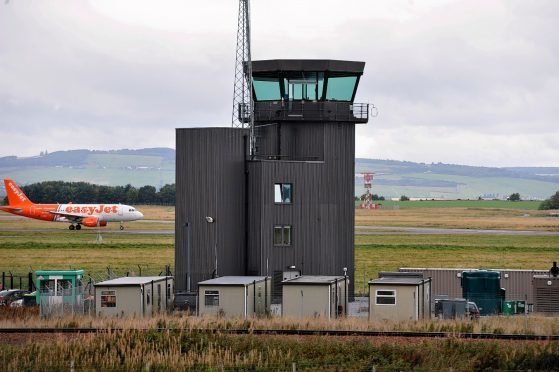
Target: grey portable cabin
x=398, y=298
x=134, y=295
x=315, y=296
x=289, y=203
x=235, y=296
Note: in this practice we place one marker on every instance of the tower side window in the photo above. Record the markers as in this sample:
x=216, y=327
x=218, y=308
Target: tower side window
x=282, y=235
x=282, y=193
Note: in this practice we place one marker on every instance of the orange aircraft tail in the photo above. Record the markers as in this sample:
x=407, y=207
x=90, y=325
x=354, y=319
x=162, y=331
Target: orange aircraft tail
x=15, y=195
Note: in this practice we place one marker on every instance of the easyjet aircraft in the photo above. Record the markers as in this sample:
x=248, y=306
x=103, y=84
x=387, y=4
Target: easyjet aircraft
x=90, y=215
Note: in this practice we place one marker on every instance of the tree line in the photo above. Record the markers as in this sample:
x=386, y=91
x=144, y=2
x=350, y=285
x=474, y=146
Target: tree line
x=83, y=192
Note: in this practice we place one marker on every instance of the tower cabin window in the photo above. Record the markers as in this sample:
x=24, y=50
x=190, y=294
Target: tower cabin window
x=282, y=193
x=340, y=88
x=266, y=89
x=306, y=86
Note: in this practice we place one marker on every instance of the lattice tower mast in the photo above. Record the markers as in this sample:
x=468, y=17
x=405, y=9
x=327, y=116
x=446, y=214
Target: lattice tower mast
x=243, y=104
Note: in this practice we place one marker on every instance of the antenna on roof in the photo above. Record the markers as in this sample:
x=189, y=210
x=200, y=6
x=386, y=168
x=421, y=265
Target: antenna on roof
x=243, y=104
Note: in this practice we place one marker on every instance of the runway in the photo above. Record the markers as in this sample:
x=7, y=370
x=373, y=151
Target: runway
x=391, y=230
x=359, y=230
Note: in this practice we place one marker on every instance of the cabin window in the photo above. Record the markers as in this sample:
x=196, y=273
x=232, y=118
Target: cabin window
x=282, y=193
x=306, y=86
x=47, y=287
x=385, y=297
x=266, y=89
x=282, y=235
x=64, y=287
x=340, y=88
x=211, y=298
x=108, y=299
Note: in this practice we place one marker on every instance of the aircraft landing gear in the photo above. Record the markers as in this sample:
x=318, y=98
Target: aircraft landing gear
x=78, y=227
x=121, y=227
x=71, y=227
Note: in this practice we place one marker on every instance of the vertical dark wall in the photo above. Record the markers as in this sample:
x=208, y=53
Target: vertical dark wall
x=322, y=212
x=210, y=181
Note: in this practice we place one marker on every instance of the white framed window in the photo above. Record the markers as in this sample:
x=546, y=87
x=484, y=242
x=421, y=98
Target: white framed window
x=282, y=235
x=283, y=193
x=108, y=299
x=211, y=298
x=385, y=297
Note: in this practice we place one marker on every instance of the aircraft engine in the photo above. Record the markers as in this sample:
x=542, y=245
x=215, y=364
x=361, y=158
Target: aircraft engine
x=92, y=222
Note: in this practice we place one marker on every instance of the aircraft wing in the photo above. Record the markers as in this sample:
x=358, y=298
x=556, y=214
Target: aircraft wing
x=75, y=217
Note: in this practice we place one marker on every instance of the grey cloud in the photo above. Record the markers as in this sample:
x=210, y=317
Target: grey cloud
x=467, y=72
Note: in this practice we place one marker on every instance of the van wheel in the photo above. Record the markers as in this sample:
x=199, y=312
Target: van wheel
x=121, y=227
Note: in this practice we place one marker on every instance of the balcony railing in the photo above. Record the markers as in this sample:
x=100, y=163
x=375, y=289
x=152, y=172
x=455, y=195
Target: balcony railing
x=273, y=111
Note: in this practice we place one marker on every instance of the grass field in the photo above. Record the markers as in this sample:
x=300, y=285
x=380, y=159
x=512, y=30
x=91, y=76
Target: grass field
x=53, y=246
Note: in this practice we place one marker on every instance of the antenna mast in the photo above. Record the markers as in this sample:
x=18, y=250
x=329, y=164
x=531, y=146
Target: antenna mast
x=243, y=103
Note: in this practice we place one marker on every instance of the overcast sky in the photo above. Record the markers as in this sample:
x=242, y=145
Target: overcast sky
x=466, y=82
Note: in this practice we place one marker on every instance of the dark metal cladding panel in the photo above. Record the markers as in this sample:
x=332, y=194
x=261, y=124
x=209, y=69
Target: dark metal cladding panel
x=210, y=181
x=321, y=213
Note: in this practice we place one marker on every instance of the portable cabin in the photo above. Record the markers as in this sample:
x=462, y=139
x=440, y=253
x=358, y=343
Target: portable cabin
x=235, y=296
x=59, y=291
x=399, y=298
x=315, y=296
x=134, y=295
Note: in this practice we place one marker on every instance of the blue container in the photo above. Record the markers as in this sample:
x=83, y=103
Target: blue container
x=484, y=288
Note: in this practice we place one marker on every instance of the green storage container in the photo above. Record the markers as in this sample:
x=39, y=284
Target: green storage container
x=484, y=288
x=509, y=307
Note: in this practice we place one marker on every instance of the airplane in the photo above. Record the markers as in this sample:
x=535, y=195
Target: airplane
x=89, y=215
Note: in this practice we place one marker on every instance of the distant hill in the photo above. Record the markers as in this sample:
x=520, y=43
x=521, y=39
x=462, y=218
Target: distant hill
x=153, y=166
x=437, y=180
x=156, y=166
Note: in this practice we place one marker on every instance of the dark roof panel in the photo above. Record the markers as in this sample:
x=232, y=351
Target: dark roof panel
x=330, y=65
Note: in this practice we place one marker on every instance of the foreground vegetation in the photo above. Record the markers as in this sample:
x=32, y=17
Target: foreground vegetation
x=175, y=342
x=132, y=350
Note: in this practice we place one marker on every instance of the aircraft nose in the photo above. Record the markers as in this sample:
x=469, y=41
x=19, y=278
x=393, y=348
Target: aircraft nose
x=140, y=215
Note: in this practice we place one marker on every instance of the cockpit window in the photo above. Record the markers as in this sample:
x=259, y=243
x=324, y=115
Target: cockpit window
x=131, y=210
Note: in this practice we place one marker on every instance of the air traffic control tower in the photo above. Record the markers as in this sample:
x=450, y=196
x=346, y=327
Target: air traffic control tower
x=287, y=208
